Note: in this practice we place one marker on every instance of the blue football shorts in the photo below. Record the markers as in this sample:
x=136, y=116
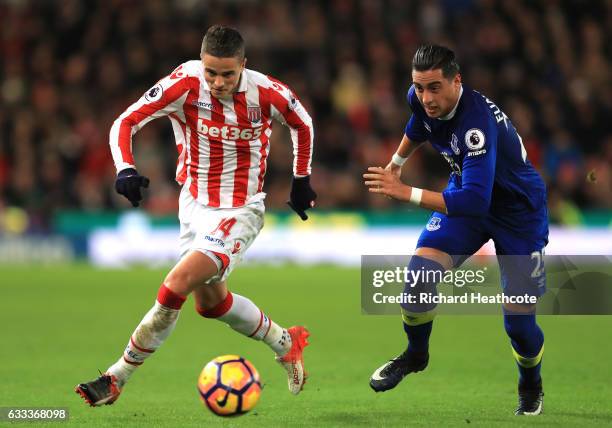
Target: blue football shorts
x=519, y=245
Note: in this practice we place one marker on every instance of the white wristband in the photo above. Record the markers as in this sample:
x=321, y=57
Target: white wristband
x=398, y=160
x=415, y=195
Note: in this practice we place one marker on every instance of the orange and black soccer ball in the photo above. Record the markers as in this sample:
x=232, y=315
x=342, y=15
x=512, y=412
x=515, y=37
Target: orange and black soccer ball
x=229, y=385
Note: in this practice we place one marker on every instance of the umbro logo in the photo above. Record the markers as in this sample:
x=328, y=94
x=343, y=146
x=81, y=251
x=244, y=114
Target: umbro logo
x=201, y=104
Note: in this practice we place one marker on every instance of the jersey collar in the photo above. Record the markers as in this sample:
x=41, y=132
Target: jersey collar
x=454, y=110
x=243, y=84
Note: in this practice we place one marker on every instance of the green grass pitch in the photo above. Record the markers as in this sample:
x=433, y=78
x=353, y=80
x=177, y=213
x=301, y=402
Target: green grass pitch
x=61, y=324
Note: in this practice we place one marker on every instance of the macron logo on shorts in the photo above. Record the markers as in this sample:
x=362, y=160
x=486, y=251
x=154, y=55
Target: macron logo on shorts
x=214, y=240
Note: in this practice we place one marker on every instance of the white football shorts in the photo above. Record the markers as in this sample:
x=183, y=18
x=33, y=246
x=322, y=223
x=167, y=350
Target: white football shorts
x=225, y=232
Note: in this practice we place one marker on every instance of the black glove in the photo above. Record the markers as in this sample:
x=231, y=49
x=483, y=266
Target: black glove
x=302, y=196
x=128, y=184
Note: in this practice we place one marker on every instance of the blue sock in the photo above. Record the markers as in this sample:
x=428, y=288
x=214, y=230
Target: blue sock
x=418, y=338
x=528, y=345
x=418, y=317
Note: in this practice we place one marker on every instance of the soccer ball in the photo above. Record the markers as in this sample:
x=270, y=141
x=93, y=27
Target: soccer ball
x=229, y=385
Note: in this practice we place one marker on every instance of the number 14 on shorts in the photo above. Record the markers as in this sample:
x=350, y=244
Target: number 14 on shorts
x=224, y=226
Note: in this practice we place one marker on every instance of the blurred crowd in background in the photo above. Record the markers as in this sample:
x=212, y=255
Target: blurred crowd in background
x=68, y=68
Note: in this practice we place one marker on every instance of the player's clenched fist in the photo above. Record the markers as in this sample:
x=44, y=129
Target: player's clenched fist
x=302, y=196
x=128, y=184
x=386, y=182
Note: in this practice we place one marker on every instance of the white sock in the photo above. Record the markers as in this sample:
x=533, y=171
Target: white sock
x=278, y=339
x=246, y=318
x=154, y=328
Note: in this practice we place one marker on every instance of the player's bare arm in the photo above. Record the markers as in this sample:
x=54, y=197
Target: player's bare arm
x=406, y=148
x=387, y=181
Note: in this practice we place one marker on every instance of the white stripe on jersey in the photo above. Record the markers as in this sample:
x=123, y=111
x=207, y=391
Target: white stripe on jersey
x=204, y=159
x=230, y=157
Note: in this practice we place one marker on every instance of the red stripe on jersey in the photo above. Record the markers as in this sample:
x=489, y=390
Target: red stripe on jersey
x=243, y=153
x=264, y=104
x=216, y=157
x=303, y=131
x=193, y=145
x=140, y=114
x=263, y=153
x=182, y=174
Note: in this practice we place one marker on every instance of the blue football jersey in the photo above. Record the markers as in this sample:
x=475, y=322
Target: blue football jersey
x=490, y=171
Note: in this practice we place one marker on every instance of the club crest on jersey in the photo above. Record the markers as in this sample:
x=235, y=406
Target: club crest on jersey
x=454, y=144
x=254, y=114
x=434, y=224
x=155, y=93
x=474, y=139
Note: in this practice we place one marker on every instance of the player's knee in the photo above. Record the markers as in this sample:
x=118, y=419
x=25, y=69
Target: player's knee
x=181, y=281
x=422, y=277
x=518, y=308
x=436, y=255
x=192, y=271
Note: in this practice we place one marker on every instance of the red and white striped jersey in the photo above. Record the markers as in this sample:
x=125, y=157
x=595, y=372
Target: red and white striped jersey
x=222, y=144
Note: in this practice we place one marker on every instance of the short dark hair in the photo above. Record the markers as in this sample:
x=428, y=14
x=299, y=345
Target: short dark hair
x=223, y=42
x=432, y=57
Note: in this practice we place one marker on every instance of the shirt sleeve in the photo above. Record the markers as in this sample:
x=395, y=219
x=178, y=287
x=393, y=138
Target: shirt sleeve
x=287, y=109
x=164, y=98
x=415, y=129
x=478, y=171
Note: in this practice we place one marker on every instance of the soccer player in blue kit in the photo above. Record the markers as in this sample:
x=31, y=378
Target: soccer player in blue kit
x=493, y=193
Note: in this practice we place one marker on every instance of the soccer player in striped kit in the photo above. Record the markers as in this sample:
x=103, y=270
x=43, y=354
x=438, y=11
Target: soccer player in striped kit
x=221, y=114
